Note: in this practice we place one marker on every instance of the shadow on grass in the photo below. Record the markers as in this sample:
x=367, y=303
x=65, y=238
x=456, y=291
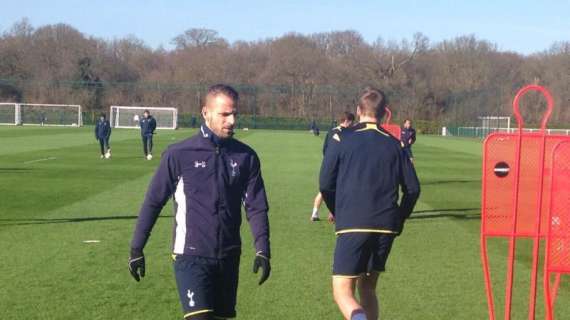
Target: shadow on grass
x=141, y=157
x=459, y=213
x=10, y=170
x=24, y=222
x=441, y=182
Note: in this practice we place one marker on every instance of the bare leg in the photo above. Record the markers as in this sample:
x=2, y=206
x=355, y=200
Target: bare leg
x=316, y=205
x=343, y=292
x=318, y=201
x=367, y=293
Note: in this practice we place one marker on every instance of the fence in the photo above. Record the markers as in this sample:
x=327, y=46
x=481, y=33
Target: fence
x=300, y=101
x=188, y=120
x=481, y=132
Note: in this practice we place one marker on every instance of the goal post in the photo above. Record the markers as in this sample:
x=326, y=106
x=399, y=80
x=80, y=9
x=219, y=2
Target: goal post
x=487, y=125
x=41, y=114
x=51, y=114
x=495, y=122
x=129, y=116
x=9, y=113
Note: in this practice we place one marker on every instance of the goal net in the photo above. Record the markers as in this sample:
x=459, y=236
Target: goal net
x=493, y=122
x=41, y=114
x=130, y=116
x=9, y=113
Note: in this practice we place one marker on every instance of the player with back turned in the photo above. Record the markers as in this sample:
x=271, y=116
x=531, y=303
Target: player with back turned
x=210, y=176
x=361, y=174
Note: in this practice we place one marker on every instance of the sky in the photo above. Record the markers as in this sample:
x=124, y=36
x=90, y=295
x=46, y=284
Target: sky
x=522, y=26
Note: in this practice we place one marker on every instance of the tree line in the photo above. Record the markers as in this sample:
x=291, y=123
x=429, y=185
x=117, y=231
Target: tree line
x=311, y=76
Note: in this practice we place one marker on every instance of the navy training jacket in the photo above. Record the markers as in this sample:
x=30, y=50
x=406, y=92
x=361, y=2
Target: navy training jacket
x=209, y=179
x=102, y=129
x=330, y=134
x=408, y=135
x=148, y=125
x=361, y=174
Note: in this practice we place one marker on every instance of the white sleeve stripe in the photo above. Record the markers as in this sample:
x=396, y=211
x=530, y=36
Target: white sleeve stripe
x=180, y=231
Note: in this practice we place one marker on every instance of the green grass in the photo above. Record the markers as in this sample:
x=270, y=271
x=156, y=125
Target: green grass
x=55, y=192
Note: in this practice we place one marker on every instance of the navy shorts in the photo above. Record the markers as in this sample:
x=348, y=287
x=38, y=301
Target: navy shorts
x=408, y=152
x=359, y=253
x=207, y=285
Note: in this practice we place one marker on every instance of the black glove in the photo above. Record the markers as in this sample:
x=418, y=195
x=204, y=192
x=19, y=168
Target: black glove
x=401, y=226
x=136, y=264
x=262, y=261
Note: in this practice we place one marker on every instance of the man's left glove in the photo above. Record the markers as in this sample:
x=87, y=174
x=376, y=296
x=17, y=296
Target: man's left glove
x=331, y=218
x=401, y=226
x=136, y=264
x=261, y=261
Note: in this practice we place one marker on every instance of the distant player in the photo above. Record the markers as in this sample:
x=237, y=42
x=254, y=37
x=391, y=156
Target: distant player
x=346, y=120
x=210, y=175
x=315, y=129
x=408, y=138
x=148, y=125
x=43, y=118
x=103, y=134
x=361, y=174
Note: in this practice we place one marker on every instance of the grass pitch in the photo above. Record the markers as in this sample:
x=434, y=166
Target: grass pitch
x=55, y=193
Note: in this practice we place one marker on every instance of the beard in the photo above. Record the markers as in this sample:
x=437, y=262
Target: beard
x=227, y=133
x=219, y=130
x=223, y=133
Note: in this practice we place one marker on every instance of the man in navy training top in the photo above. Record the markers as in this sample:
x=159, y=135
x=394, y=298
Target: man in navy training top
x=408, y=138
x=346, y=119
x=103, y=134
x=210, y=176
x=361, y=174
x=148, y=125
x=314, y=128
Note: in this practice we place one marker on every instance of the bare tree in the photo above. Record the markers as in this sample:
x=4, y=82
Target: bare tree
x=197, y=37
x=308, y=76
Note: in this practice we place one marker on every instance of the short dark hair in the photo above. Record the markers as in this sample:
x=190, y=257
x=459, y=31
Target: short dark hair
x=372, y=102
x=146, y=111
x=224, y=89
x=346, y=115
x=407, y=119
x=103, y=115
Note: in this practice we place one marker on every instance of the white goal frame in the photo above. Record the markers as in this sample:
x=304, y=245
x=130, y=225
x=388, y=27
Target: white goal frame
x=486, y=119
x=16, y=108
x=114, y=117
x=18, y=114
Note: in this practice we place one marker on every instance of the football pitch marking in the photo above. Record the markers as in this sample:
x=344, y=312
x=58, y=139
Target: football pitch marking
x=91, y=241
x=40, y=160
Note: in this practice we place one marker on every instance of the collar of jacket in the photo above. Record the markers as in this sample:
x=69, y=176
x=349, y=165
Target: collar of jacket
x=210, y=135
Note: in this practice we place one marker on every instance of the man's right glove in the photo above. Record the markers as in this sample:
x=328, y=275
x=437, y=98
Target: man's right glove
x=262, y=261
x=136, y=264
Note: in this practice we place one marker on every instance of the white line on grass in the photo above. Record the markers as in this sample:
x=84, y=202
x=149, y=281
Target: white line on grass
x=39, y=160
x=91, y=241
